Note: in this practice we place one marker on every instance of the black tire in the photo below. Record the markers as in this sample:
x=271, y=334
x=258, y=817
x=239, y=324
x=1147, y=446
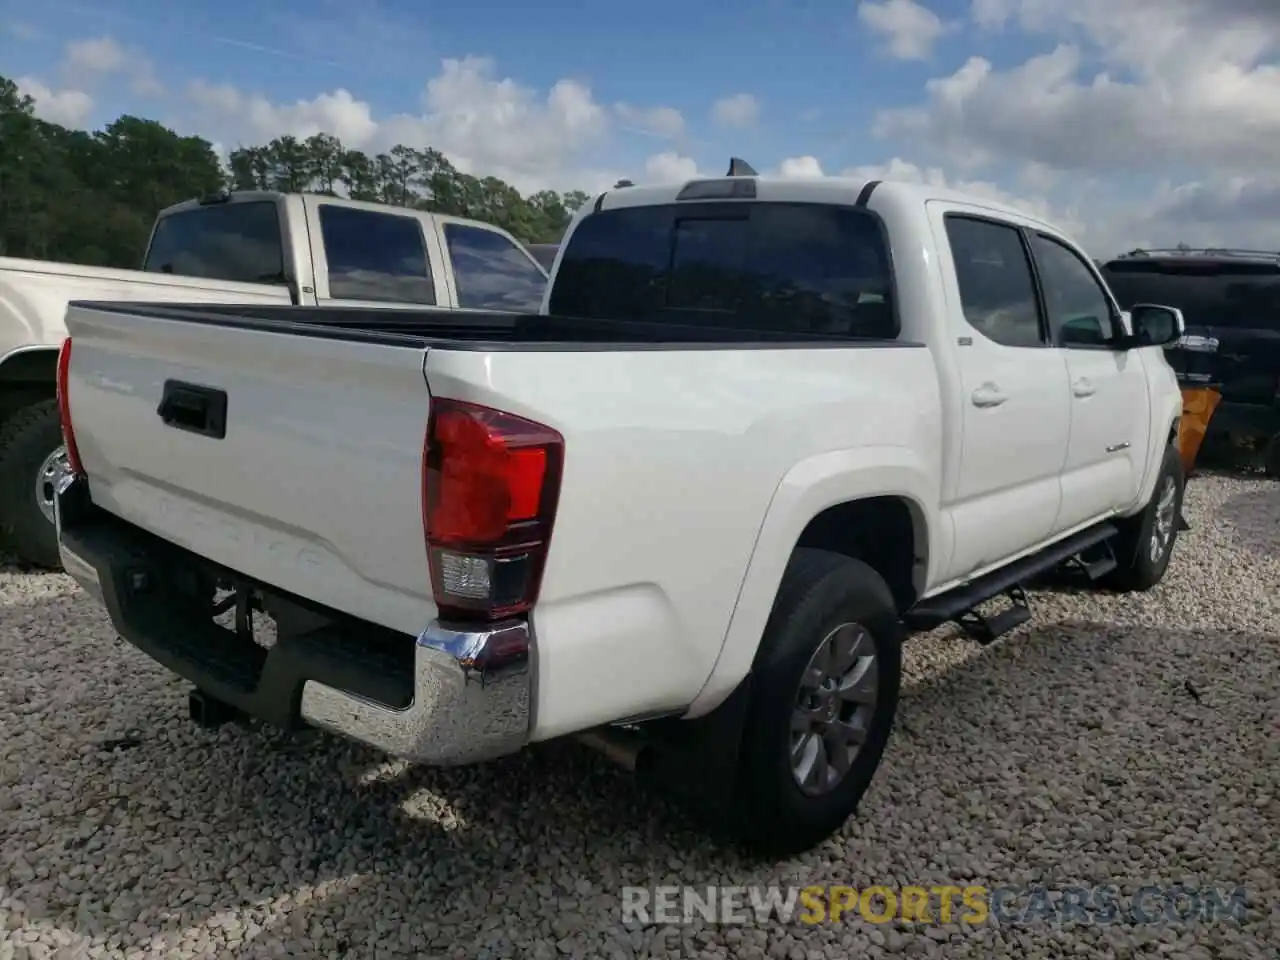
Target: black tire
x=1271, y=459
x=1136, y=569
x=27, y=438
x=819, y=592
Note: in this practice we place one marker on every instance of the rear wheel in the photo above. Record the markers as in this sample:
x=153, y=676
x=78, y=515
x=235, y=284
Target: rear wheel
x=32, y=458
x=1145, y=543
x=1271, y=459
x=824, y=691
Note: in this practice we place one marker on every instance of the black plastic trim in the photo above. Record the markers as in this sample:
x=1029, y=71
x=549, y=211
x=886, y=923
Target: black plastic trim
x=937, y=610
x=864, y=195
x=146, y=585
x=479, y=331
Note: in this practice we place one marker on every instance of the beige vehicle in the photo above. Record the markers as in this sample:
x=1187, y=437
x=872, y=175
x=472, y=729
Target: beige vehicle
x=232, y=248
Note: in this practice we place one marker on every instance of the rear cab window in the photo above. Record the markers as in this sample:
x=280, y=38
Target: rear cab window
x=240, y=242
x=491, y=272
x=786, y=268
x=375, y=256
x=1210, y=293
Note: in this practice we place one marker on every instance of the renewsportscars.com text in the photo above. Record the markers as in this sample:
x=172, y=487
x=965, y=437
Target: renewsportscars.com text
x=975, y=905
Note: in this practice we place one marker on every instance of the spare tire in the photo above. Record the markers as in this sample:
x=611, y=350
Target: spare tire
x=32, y=459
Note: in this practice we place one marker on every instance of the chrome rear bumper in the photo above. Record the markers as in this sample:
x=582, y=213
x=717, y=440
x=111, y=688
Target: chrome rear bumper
x=472, y=698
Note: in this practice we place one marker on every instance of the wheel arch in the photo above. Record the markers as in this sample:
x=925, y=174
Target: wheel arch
x=27, y=375
x=842, y=501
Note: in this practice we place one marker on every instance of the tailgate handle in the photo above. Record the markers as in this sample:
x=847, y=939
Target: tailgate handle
x=196, y=409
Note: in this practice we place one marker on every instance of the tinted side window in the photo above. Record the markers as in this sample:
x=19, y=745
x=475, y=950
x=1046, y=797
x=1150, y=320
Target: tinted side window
x=781, y=267
x=375, y=256
x=491, y=272
x=997, y=292
x=228, y=241
x=1078, y=308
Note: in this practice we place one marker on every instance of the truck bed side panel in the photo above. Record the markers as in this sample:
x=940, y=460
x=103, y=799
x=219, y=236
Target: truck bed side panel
x=315, y=487
x=672, y=459
x=34, y=295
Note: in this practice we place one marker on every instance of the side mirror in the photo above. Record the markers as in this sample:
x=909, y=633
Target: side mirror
x=1155, y=326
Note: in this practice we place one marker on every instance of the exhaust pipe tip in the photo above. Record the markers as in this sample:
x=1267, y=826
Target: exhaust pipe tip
x=628, y=752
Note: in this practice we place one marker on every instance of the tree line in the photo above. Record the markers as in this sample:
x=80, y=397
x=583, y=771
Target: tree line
x=90, y=197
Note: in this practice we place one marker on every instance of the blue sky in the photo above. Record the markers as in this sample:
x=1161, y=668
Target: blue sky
x=818, y=77
x=1112, y=116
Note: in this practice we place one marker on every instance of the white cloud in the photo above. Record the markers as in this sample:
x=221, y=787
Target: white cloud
x=484, y=124
x=70, y=108
x=669, y=167
x=100, y=55
x=666, y=122
x=800, y=167
x=739, y=110
x=1128, y=87
x=85, y=62
x=1122, y=95
x=910, y=28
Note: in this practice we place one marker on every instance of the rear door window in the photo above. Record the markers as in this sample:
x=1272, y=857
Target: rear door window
x=491, y=272
x=993, y=274
x=224, y=241
x=779, y=267
x=375, y=256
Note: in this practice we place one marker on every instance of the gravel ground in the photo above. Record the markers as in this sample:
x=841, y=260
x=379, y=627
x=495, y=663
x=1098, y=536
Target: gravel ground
x=1112, y=740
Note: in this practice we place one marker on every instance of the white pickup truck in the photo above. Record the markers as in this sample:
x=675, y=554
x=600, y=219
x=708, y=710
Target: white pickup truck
x=244, y=247
x=760, y=430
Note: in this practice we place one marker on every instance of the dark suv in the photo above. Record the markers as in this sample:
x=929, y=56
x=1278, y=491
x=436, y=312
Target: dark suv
x=1234, y=297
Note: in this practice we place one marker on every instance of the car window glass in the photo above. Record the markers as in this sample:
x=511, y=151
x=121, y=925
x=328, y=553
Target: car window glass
x=997, y=292
x=1222, y=295
x=226, y=241
x=1078, y=310
x=491, y=272
x=781, y=267
x=375, y=256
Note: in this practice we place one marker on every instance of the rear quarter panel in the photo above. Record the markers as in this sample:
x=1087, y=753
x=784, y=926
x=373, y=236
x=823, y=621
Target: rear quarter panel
x=673, y=461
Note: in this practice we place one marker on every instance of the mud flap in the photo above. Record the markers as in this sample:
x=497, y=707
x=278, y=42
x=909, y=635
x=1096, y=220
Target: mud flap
x=1182, y=522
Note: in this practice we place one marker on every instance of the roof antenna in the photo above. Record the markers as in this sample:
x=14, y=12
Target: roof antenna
x=740, y=168
x=623, y=183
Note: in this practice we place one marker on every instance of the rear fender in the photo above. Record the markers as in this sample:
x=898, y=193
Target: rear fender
x=810, y=487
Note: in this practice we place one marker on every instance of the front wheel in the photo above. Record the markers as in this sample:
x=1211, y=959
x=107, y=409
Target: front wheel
x=824, y=691
x=1145, y=543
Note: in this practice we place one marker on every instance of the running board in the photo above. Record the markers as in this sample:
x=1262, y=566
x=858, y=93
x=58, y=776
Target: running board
x=959, y=604
x=1094, y=563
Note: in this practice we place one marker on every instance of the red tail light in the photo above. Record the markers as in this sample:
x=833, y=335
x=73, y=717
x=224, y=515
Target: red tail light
x=491, y=481
x=64, y=408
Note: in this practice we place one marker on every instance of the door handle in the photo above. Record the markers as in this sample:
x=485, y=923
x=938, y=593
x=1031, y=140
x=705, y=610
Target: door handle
x=988, y=395
x=1083, y=387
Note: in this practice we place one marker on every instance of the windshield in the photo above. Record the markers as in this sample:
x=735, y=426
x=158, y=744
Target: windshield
x=783, y=267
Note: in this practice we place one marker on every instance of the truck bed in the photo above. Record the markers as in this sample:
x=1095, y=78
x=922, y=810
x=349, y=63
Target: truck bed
x=482, y=330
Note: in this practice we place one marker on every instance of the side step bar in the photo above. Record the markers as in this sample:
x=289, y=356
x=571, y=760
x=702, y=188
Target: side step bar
x=960, y=604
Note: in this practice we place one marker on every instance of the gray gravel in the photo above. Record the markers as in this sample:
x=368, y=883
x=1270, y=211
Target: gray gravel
x=1126, y=740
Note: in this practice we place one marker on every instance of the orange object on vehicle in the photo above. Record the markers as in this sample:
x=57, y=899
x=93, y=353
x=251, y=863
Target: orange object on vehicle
x=1198, y=404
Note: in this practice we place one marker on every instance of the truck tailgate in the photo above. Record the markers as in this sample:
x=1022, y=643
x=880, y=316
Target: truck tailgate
x=315, y=487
